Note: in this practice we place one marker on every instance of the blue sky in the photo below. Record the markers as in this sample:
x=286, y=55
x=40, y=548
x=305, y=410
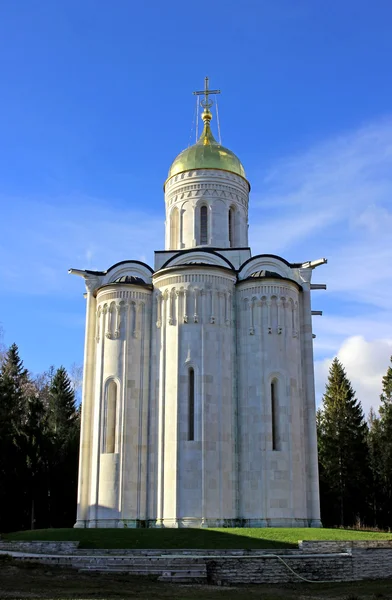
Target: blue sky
x=95, y=104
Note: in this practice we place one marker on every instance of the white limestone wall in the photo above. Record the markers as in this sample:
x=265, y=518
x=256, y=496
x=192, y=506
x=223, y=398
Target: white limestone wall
x=310, y=458
x=272, y=482
x=195, y=479
x=119, y=457
x=219, y=191
x=86, y=430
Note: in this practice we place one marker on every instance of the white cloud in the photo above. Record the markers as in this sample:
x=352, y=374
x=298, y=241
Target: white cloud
x=335, y=190
x=365, y=361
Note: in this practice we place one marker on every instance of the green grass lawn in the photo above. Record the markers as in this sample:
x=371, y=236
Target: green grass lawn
x=229, y=538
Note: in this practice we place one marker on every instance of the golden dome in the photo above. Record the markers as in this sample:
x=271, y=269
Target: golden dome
x=207, y=154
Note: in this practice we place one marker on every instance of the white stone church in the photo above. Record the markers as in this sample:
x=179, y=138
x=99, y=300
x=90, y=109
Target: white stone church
x=198, y=393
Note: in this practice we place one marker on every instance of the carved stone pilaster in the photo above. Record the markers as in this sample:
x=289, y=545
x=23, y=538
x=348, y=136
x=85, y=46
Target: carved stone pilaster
x=279, y=327
x=172, y=300
x=185, y=304
x=166, y=298
x=91, y=284
x=295, y=320
x=228, y=309
x=269, y=304
x=159, y=310
x=117, y=322
x=196, y=293
x=212, y=316
x=98, y=325
x=251, y=317
x=137, y=320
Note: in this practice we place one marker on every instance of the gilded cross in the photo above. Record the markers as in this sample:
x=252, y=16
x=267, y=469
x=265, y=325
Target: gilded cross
x=206, y=92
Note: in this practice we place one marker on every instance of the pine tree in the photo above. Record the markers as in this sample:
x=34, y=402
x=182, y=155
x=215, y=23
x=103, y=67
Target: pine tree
x=2, y=346
x=376, y=495
x=13, y=382
x=385, y=410
x=36, y=450
x=62, y=408
x=64, y=426
x=343, y=452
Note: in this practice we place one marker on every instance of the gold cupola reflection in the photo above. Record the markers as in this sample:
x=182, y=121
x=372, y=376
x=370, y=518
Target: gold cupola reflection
x=207, y=153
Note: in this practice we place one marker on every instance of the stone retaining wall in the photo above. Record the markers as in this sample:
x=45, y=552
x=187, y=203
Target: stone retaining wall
x=314, y=561
x=40, y=547
x=229, y=571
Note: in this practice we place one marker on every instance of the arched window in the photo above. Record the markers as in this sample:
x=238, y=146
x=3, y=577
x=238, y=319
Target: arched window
x=174, y=229
x=191, y=405
x=203, y=225
x=110, y=417
x=231, y=226
x=275, y=415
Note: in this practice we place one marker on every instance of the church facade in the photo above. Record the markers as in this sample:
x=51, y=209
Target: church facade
x=198, y=393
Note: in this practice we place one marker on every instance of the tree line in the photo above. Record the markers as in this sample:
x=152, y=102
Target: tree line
x=39, y=446
x=355, y=455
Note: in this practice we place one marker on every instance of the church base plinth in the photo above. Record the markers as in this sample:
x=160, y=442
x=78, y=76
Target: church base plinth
x=279, y=522
x=194, y=522
x=111, y=524
x=80, y=524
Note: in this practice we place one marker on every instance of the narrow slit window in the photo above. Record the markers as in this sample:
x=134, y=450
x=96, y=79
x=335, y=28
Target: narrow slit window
x=191, y=404
x=174, y=229
x=111, y=410
x=231, y=227
x=275, y=416
x=203, y=225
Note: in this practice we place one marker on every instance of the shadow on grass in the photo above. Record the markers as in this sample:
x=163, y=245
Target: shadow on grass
x=190, y=538
x=194, y=538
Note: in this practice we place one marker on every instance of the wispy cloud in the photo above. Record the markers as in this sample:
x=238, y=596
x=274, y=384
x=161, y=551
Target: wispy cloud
x=335, y=200
x=342, y=186
x=42, y=240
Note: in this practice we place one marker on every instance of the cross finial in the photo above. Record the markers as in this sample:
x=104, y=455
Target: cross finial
x=206, y=103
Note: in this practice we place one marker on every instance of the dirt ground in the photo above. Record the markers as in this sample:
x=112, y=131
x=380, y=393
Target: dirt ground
x=36, y=581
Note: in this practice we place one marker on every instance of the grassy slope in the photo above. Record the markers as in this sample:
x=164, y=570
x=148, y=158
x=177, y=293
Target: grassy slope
x=194, y=538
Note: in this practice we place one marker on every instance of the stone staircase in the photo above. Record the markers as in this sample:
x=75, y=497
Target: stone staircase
x=166, y=568
x=169, y=568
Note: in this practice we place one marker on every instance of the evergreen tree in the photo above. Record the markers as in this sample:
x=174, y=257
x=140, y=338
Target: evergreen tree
x=2, y=346
x=343, y=452
x=385, y=454
x=39, y=446
x=62, y=406
x=13, y=382
x=36, y=447
x=63, y=423
x=376, y=494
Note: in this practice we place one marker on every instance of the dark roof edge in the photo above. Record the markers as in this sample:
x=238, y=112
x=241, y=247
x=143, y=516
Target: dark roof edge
x=122, y=262
x=194, y=266
x=204, y=169
x=208, y=251
x=203, y=248
x=283, y=260
x=281, y=278
x=115, y=284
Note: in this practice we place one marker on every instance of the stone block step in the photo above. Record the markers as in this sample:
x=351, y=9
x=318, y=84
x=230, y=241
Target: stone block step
x=190, y=576
x=178, y=575
x=118, y=569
